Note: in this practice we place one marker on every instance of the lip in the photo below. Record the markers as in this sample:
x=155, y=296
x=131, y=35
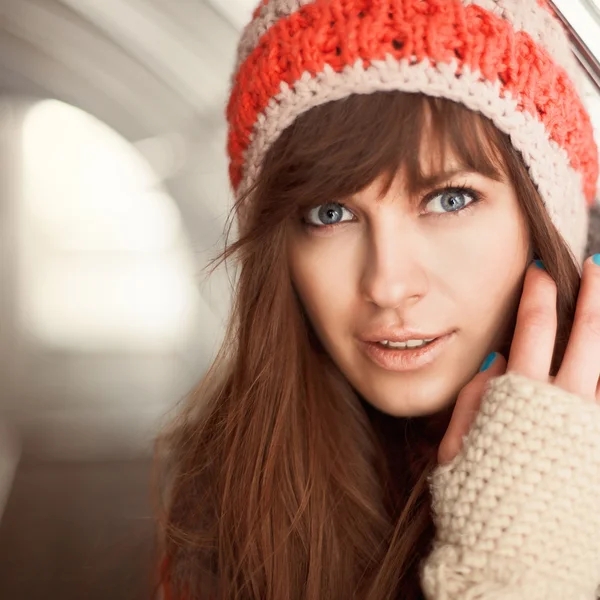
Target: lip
x=401, y=335
x=408, y=359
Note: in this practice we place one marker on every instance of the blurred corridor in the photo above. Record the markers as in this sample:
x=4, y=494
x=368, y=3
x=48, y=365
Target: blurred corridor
x=113, y=197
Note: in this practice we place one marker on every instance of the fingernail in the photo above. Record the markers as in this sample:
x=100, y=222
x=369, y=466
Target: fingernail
x=539, y=264
x=596, y=259
x=488, y=362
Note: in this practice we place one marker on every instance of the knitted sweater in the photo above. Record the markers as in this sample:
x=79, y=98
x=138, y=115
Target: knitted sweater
x=517, y=512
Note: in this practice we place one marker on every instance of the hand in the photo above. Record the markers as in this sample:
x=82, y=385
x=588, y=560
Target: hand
x=532, y=349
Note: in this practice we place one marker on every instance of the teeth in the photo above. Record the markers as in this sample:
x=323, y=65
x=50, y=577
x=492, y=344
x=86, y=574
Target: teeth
x=408, y=344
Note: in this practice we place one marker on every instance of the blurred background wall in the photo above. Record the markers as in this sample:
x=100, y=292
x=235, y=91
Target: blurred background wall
x=113, y=197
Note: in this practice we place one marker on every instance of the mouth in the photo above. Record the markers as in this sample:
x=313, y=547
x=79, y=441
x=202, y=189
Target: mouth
x=408, y=345
x=407, y=355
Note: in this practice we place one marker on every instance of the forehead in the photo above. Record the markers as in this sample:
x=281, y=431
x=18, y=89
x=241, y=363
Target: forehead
x=448, y=141
x=441, y=156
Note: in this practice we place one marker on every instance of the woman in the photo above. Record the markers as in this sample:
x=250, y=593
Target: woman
x=398, y=164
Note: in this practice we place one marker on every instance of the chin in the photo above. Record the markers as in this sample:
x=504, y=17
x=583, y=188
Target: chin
x=425, y=401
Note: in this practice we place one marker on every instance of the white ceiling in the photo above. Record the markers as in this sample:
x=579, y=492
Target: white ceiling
x=237, y=12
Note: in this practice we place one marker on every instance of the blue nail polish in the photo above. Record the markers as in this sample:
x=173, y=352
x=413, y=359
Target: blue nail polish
x=488, y=362
x=540, y=265
x=596, y=259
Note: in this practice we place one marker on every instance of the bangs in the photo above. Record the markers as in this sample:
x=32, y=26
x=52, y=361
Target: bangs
x=338, y=149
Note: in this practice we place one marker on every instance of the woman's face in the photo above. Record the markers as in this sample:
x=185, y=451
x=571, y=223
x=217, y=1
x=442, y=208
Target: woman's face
x=386, y=268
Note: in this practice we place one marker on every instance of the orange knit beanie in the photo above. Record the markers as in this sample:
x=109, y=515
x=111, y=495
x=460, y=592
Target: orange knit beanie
x=507, y=59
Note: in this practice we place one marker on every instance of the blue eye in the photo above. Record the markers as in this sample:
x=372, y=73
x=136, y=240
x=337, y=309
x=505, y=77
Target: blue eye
x=328, y=214
x=452, y=200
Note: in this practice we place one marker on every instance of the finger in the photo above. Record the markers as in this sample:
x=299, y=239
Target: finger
x=535, y=331
x=466, y=409
x=580, y=367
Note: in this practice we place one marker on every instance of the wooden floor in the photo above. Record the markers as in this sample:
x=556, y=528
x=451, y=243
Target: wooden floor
x=78, y=532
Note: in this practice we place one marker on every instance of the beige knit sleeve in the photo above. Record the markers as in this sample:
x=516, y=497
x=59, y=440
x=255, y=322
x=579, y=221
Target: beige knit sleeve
x=517, y=512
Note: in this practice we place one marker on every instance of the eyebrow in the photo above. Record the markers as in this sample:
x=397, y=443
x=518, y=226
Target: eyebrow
x=425, y=183
x=431, y=181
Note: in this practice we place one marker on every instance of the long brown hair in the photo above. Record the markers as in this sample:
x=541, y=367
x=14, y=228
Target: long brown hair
x=282, y=483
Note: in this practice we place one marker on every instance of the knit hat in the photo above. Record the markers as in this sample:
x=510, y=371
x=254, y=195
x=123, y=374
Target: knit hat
x=510, y=60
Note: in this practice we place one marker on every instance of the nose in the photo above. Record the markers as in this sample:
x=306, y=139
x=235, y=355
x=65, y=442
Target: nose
x=393, y=273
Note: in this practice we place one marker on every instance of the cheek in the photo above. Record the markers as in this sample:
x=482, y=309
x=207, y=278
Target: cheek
x=492, y=267
x=323, y=279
